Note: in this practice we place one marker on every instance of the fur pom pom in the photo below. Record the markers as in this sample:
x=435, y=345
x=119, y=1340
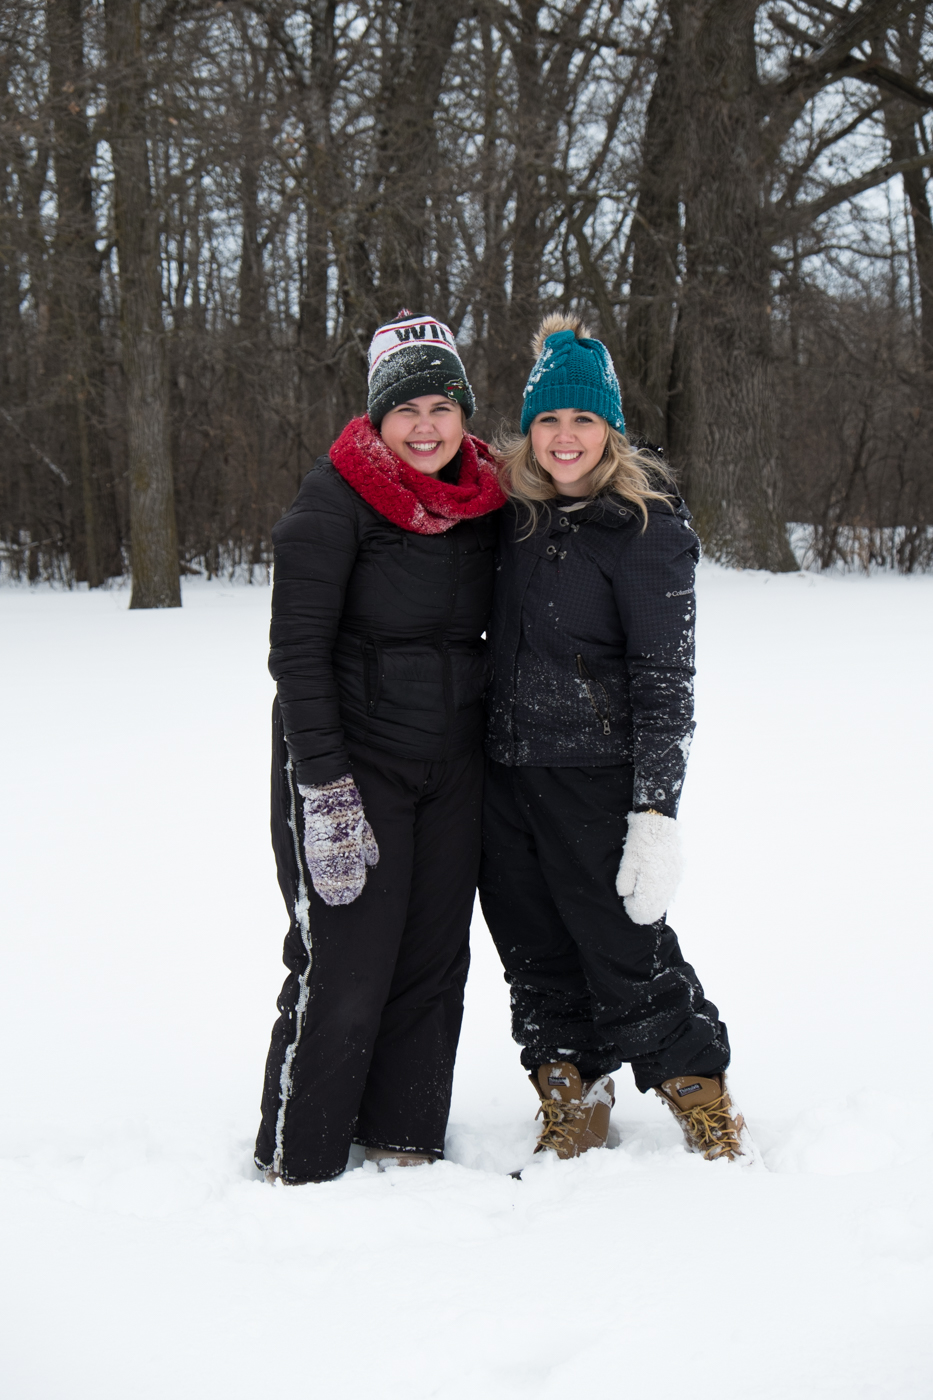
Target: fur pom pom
x=558, y=321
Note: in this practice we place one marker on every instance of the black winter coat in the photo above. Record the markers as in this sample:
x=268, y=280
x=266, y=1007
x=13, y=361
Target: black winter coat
x=593, y=643
x=376, y=631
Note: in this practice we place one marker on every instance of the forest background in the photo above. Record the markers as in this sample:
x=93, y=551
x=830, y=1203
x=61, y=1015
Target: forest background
x=207, y=208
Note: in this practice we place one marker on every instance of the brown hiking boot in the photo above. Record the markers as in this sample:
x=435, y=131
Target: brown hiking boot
x=398, y=1157
x=576, y=1115
x=704, y=1111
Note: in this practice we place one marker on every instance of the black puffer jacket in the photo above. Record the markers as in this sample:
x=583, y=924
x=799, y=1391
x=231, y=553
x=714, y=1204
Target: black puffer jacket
x=593, y=643
x=376, y=631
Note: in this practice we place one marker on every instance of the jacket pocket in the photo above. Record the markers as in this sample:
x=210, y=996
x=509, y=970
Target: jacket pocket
x=596, y=693
x=372, y=675
x=471, y=672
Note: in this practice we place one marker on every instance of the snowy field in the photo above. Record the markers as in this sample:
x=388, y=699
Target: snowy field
x=142, y=1259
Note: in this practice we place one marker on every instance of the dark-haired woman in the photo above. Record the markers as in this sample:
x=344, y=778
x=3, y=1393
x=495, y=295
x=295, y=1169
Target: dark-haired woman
x=383, y=586
x=590, y=721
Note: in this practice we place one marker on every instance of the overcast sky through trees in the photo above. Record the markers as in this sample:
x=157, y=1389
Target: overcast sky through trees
x=208, y=207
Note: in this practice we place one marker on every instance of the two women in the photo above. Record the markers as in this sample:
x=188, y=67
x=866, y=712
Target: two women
x=383, y=589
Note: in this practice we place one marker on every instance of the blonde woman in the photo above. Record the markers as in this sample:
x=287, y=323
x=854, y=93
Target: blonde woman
x=590, y=717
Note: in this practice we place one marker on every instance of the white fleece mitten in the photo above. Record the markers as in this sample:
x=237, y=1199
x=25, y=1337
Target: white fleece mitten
x=651, y=866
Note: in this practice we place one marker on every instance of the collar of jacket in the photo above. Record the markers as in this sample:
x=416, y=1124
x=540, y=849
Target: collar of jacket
x=608, y=511
x=604, y=510
x=557, y=520
x=407, y=497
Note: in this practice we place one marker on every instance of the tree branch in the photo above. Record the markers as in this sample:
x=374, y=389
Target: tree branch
x=891, y=81
x=831, y=62
x=792, y=220
x=809, y=75
x=850, y=32
x=37, y=450
x=798, y=173
x=792, y=31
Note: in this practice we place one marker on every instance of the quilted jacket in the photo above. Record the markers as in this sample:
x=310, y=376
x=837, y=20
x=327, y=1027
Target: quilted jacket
x=593, y=643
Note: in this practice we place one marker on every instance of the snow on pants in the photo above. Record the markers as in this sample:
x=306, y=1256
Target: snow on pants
x=588, y=985
x=364, y=1046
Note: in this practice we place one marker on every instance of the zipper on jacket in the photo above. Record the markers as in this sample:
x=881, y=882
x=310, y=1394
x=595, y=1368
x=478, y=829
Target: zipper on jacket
x=586, y=678
x=372, y=674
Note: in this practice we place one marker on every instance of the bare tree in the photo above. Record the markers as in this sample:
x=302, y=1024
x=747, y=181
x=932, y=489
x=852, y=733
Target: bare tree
x=76, y=298
x=153, y=536
x=656, y=242
x=278, y=175
x=903, y=113
x=716, y=145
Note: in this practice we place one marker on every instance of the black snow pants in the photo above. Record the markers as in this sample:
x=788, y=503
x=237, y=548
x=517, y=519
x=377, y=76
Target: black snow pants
x=588, y=984
x=364, y=1046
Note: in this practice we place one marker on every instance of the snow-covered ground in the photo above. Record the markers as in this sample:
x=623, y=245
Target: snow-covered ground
x=143, y=1260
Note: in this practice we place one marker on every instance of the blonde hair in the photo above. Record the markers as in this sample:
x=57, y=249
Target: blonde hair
x=624, y=471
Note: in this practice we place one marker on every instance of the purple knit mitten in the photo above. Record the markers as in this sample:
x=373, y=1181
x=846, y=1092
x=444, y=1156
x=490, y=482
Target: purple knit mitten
x=339, y=841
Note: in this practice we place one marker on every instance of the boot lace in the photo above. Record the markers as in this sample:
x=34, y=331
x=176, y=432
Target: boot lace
x=714, y=1130
x=559, y=1121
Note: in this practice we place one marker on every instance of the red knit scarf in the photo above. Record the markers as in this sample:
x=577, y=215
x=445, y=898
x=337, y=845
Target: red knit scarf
x=408, y=497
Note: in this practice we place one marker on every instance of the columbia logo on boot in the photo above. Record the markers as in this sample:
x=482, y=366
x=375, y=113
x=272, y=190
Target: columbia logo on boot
x=561, y=1079
x=689, y=1089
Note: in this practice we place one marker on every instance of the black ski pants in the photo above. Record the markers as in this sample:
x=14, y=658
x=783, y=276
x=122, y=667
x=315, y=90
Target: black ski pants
x=588, y=984
x=364, y=1046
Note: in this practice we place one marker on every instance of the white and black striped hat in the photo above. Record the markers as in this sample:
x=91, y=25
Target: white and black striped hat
x=411, y=356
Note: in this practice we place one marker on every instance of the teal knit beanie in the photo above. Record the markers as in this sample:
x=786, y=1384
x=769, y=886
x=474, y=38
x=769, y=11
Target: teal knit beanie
x=572, y=371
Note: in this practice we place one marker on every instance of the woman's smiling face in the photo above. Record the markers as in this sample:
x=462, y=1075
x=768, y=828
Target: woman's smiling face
x=569, y=444
x=425, y=432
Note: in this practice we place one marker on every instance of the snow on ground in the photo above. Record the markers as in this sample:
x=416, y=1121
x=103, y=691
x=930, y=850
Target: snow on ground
x=143, y=1259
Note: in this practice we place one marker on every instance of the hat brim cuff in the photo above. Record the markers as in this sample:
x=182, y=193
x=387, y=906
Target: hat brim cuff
x=580, y=396
x=415, y=386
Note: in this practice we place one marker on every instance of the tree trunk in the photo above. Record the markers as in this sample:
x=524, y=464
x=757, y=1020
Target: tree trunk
x=902, y=121
x=510, y=337
x=915, y=188
x=317, y=406
x=153, y=536
x=542, y=101
x=76, y=299
x=723, y=431
x=406, y=153
x=489, y=304
x=656, y=235
x=250, y=411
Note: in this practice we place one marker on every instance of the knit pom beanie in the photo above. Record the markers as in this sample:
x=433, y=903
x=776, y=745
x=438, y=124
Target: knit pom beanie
x=572, y=370
x=412, y=356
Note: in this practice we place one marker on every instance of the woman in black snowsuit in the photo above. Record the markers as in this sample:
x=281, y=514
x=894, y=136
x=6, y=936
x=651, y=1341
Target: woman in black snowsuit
x=590, y=716
x=383, y=587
